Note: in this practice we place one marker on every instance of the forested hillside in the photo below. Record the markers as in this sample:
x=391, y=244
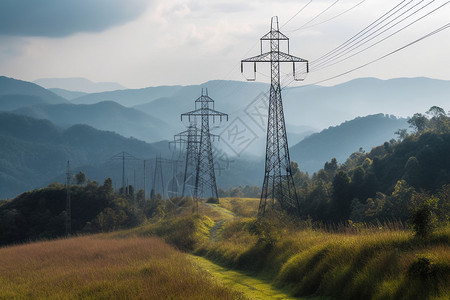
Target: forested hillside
x=35, y=151
x=342, y=140
x=388, y=183
x=106, y=115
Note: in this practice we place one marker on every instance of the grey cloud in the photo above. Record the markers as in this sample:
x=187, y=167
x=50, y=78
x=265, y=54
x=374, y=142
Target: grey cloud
x=58, y=18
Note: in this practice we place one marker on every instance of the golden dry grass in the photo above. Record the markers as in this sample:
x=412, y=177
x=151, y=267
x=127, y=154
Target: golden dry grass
x=97, y=268
x=242, y=207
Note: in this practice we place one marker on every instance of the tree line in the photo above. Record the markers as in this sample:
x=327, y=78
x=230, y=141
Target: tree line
x=404, y=179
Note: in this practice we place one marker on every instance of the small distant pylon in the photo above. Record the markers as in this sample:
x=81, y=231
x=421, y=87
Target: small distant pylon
x=68, y=200
x=158, y=179
x=191, y=138
x=278, y=190
x=123, y=156
x=205, y=178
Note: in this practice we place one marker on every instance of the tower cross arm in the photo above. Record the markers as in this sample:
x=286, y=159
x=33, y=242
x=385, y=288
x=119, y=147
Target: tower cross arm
x=269, y=57
x=203, y=112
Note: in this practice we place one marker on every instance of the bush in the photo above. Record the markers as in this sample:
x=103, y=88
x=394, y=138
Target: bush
x=213, y=200
x=422, y=222
x=422, y=268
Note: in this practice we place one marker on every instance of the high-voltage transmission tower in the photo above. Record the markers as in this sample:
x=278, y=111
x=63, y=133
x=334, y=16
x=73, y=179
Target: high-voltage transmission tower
x=278, y=191
x=191, y=139
x=205, y=179
x=158, y=179
x=68, y=200
x=124, y=156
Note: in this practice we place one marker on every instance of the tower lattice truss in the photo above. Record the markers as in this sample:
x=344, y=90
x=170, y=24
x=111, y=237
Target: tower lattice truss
x=278, y=190
x=199, y=148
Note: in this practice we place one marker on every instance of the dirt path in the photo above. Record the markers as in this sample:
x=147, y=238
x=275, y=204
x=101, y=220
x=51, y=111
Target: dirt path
x=214, y=232
x=250, y=287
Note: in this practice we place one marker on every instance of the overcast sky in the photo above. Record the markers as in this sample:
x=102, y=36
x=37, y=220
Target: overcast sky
x=140, y=43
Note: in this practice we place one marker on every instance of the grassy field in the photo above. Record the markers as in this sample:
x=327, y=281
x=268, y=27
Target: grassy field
x=365, y=262
x=96, y=267
x=350, y=262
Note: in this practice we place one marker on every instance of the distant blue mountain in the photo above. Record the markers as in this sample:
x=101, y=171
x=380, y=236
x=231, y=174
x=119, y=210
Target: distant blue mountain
x=33, y=152
x=17, y=93
x=66, y=94
x=341, y=141
x=78, y=84
x=106, y=115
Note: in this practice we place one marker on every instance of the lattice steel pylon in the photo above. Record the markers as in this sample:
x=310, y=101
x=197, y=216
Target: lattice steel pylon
x=158, y=179
x=278, y=191
x=191, y=138
x=68, y=220
x=205, y=178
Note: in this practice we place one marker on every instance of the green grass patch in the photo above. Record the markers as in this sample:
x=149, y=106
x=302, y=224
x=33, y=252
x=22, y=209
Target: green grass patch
x=368, y=264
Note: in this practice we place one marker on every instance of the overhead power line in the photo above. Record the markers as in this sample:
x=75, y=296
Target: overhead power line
x=360, y=33
x=315, y=68
x=334, y=60
x=318, y=15
x=388, y=54
x=336, y=16
x=296, y=14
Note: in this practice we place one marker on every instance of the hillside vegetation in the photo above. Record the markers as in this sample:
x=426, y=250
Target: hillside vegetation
x=375, y=227
x=34, y=152
x=405, y=175
x=345, y=262
x=341, y=141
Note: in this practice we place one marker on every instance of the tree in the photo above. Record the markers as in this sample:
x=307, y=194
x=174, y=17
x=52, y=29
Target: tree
x=418, y=121
x=80, y=178
x=402, y=134
x=397, y=204
x=438, y=119
x=331, y=167
x=436, y=112
x=342, y=196
x=423, y=214
x=412, y=171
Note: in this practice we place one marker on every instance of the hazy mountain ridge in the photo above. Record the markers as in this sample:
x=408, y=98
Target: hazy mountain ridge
x=107, y=115
x=17, y=93
x=128, y=97
x=66, y=94
x=313, y=106
x=340, y=141
x=328, y=106
x=78, y=84
x=35, y=151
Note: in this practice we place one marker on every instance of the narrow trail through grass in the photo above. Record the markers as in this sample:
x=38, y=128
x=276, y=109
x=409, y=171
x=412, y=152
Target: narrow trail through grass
x=251, y=287
x=214, y=232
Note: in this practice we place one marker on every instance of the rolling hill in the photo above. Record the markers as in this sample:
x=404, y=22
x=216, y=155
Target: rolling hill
x=340, y=141
x=78, y=84
x=128, y=97
x=17, y=93
x=105, y=115
x=66, y=94
x=313, y=106
x=34, y=152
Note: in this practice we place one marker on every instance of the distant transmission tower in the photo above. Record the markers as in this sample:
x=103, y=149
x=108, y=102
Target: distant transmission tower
x=158, y=179
x=124, y=156
x=68, y=201
x=278, y=187
x=191, y=139
x=205, y=179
